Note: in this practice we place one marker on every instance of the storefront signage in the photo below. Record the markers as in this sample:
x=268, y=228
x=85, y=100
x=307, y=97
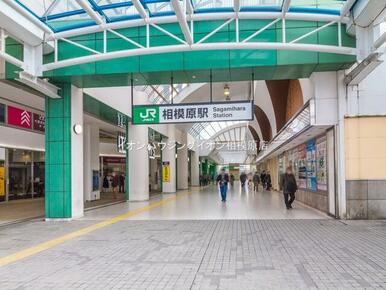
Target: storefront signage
x=165, y=171
x=19, y=117
x=117, y=160
x=121, y=142
x=2, y=113
x=198, y=112
x=39, y=122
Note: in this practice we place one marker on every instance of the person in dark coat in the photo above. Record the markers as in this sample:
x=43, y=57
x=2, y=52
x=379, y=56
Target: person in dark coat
x=262, y=179
x=289, y=187
x=243, y=179
x=121, y=183
x=222, y=180
x=115, y=184
x=256, y=181
x=268, y=182
x=105, y=183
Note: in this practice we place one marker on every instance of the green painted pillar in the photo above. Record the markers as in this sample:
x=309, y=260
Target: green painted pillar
x=64, y=155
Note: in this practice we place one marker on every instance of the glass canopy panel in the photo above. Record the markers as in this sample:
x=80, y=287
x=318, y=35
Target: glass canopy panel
x=38, y=7
x=68, y=14
x=206, y=131
x=62, y=7
x=65, y=23
x=212, y=4
x=262, y=4
x=318, y=4
x=159, y=7
x=124, y=12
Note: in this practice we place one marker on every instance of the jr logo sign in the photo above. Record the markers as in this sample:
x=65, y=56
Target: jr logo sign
x=146, y=115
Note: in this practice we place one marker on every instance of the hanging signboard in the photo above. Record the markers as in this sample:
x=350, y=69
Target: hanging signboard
x=166, y=171
x=39, y=122
x=19, y=117
x=198, y=112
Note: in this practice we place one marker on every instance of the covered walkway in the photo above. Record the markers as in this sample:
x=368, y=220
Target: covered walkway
x=202, y=204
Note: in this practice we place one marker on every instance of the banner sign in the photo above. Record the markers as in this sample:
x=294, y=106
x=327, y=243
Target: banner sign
x=166, y=171
x=198, y=112
x=2, y=113
x=19, y=117
x=39, y=122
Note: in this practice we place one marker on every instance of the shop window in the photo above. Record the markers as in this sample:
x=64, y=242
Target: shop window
x=20, y=174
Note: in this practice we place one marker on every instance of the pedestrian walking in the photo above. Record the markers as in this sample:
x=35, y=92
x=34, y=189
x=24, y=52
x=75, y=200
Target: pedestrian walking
x=262, y=178
x=243, y=179
x=222, y=181
x=289, y=187
x=121, y=183
x=115, y=183
x=232, y=179
x=256, y=181
x=268, y=181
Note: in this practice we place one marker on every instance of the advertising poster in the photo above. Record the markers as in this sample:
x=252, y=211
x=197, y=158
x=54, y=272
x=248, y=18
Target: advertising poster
x=2, y=181
x=95, y=180
x=311, y=165
x=321, y=164
x=165, y=171
x=39, y=122
x=302, y=166
x=19, y=117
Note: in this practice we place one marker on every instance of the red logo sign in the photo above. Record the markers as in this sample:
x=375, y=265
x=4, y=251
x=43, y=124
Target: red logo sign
x=19, y=117
x=39, y=122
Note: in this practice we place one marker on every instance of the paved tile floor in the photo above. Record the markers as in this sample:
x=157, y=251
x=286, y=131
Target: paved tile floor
x=238, y=252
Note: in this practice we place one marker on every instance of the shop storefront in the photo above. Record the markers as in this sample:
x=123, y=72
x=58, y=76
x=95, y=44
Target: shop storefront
x=21, y=170
x=111, y=166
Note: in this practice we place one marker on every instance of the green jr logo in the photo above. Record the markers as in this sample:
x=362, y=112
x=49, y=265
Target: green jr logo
x=149, y=113
x=146, y=115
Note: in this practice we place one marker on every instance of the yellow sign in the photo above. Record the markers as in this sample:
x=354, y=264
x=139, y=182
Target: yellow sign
x=166, y=171
x=2, y=181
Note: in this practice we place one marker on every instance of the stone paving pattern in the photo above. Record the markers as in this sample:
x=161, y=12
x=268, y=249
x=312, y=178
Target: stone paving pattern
x=204, y=254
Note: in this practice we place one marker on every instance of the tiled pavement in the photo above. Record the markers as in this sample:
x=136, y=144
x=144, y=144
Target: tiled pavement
x=202, y=254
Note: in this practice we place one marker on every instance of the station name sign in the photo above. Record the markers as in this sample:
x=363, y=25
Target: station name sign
x=190, y=113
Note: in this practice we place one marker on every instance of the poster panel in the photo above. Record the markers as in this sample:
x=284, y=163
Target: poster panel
x=2, y=181
x=165, y=171
x=302, y=166
x=321, y=163
x=311, y=164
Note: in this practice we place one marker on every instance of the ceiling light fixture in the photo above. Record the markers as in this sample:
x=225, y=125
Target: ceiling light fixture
x=227, y=92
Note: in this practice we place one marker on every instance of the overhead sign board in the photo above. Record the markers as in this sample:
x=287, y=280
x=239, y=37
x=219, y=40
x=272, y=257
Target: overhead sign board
x=19, y=117
x=190, y=113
